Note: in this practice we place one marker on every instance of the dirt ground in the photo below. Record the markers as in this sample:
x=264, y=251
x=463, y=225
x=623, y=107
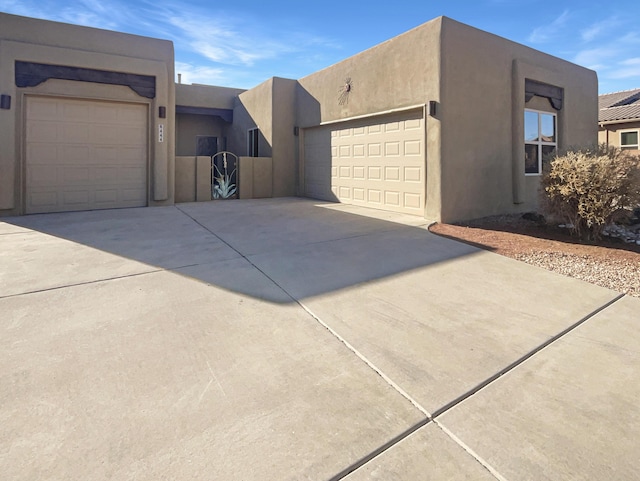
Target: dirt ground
x=609, y=263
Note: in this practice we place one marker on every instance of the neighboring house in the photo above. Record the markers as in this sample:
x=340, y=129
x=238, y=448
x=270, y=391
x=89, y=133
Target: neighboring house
x=619, y=119
x=444, y=121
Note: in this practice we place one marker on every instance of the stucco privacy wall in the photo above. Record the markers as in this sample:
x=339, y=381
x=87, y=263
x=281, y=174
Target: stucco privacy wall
x=52, y=43
x=483, y=102
x=401, y=72
x=253, y=109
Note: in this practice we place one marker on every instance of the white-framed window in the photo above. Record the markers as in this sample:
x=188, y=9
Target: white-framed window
x=629, y=140
x=253, y=136
x=540, y=139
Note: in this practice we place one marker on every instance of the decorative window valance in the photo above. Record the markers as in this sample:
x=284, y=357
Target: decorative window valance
x=30, y=74
x=551, y=92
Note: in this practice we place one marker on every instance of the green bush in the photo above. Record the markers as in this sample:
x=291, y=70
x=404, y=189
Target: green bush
x=591, y=188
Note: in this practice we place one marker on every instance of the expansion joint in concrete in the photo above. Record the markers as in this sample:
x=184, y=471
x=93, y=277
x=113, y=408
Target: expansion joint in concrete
x=95, y=281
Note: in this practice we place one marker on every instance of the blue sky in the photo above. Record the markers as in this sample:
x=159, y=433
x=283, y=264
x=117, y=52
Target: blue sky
x=242, y=43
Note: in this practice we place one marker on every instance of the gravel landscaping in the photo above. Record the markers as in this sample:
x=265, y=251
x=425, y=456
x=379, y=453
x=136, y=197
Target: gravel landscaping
x=610, y=263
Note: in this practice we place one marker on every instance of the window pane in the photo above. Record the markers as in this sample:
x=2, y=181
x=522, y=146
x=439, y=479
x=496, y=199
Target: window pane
x=548, y=151
x=548, y=127
x=253, y=136
x=530, y=126
x=629, y=139
x=206, y=145
x=531, y=159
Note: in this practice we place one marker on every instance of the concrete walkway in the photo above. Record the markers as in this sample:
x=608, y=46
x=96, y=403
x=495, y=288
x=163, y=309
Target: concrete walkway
x=285, y=339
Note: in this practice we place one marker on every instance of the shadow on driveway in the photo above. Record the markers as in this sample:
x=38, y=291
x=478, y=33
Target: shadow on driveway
x=243, y=246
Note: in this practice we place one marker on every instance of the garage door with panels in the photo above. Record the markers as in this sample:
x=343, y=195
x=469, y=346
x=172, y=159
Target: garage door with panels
x=377, y=162
x=85, y=154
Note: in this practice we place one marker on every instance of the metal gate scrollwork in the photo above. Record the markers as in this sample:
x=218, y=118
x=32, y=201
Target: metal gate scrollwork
x=224, y=178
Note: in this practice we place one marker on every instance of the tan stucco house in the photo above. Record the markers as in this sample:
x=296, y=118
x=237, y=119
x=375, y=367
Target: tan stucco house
x=619, y=119
x=444, y=121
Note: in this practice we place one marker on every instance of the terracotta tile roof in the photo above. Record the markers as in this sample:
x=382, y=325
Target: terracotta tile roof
x=619, y=106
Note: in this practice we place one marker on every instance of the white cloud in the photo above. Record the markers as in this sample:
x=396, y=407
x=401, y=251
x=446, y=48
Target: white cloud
x=547, y=32
x=223, y=40
x=600, y=29
x=596, y=58
x=89, y=13
x=191, y=74
x=628, y=68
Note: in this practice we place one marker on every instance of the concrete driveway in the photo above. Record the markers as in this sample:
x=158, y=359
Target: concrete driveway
x=285, y=339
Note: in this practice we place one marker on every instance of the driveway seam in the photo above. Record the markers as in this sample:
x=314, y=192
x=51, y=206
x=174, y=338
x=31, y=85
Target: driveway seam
x=522, y=359
x=401, y=437
x=501, y=373
x=363, y=358
x=470, y=451
x=95, y=281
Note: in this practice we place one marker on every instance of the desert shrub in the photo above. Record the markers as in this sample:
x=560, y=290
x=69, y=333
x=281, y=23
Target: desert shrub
x=591, y=188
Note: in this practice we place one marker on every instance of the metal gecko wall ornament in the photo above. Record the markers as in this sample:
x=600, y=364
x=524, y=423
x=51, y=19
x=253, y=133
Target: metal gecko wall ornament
x=345, y=90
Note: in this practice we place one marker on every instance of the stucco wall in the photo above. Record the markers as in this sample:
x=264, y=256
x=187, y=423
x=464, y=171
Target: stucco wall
x=53, y=43
x=189, y=126
x=271, y=108
x=284, y=152
x=206, y=96
x=398, y=73
x=253, y=108
x=482, y=119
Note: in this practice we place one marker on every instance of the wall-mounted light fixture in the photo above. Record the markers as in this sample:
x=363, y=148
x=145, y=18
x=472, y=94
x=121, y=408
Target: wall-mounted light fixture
x=433, y=108
x=162, y=112
x=5, y=102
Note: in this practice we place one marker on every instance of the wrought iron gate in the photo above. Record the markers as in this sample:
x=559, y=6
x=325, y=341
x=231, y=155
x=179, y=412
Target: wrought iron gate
x=224, y=175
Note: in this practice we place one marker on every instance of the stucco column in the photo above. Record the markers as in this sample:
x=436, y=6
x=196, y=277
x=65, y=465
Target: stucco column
x=517, y=133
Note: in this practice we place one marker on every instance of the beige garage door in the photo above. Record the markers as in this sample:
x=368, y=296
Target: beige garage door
x=377, y=162
x=85, y=154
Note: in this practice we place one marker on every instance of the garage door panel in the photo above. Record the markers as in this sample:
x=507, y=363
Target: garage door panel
x=412, y=147
x=375, y=150
x=73, y=154
x=132, y=135
x=43, y=131
x=413, y=124
x=374, y=196
x=392, y=127
x=105, y=134
x=75, y=112
x=131, y=116
x=93, y=164
x=359, y=194
x=412, y=174
x=74, y=133
x=80, y=197
x=106, y=175
x=392, y=149
x=378, y=162
x=132, y=176
x=106, y=196
x=43, y=176
x=43, y=152
x=75, y=176
x=44, y=199
x=41, y=109
x=108, y=114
